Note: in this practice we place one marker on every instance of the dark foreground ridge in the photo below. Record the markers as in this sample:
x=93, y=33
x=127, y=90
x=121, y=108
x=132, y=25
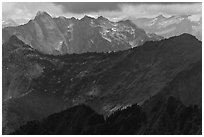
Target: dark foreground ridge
x=35, y=86
x=170, y=117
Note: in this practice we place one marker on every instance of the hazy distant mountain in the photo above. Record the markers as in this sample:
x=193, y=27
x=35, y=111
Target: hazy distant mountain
x=168, y=27
x=36, y=85
x=69, y=35
x=8, y=23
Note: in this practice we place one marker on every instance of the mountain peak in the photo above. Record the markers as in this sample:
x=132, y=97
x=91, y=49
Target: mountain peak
x=62, y=17
x=160, y=16
x=187, y=35
x=42, y=13
x=102, y=18
x=86, y=17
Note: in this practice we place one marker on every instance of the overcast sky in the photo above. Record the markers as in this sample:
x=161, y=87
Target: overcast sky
x=22, y=11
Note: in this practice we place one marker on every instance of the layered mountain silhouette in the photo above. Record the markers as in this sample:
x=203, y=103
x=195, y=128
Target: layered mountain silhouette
x=170, y=26
x=69, y=35
x=36, y=85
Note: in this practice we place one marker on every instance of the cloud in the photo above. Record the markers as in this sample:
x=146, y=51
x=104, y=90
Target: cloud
x=165, y=9
x=119, y=10
x=27, y=10
x=86, y=7
x=111, y=10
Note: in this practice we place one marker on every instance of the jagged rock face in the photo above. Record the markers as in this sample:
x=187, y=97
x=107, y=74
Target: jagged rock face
x=104, y=81
x=168, y=27
x=62, y=35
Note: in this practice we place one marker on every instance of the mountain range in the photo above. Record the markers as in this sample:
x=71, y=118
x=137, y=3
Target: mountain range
x=170, y=26
x=62, y=35
x=166, y=73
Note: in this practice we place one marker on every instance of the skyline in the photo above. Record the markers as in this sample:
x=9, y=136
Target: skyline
x=21, y=12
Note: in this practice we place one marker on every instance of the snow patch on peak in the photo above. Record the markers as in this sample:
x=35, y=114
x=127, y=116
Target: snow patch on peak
x=104, y=35
x=106, y=38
